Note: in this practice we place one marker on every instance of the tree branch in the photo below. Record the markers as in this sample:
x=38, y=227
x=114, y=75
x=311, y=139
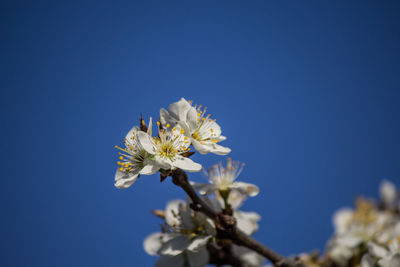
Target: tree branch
x=226, y=224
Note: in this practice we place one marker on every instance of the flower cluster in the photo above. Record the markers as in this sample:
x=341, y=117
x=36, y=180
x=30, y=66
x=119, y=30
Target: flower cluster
x=367, y=236
x=201, y=233
x=369, y=233
x=179, y=127
x=187, y=237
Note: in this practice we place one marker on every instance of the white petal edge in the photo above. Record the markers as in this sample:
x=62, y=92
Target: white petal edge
x=153, y=243
x=147, y=142
x=198, y=242
x=175, y=246
x=179, y=110
x=186, y=164
x=367, y=261
x=124, y=180
x=341, y=219
x=204, y=189
x=376, y=250
x=171, y=210
x=246, y=188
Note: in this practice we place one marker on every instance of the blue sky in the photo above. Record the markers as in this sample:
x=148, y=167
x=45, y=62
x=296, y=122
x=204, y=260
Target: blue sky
x=307, y=93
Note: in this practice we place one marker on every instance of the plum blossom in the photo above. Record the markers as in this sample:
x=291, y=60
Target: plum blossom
x=167, y=149
x=365, y=226
x=386, y=257
x=204, y=133
x=223, y=179
x=388, y=194
x=183, y=241
x=133, y=159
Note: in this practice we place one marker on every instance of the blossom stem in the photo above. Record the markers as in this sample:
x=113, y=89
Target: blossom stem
x=225, y=225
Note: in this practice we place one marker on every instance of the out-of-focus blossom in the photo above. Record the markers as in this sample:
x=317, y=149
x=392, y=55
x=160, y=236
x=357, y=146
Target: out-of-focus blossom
x=369, y=225
x=388, y=194
x=183, y=242
x=388, y=256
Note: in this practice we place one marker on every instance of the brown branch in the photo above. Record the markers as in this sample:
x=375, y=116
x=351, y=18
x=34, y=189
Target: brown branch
x=226, y=224
x=222, y=256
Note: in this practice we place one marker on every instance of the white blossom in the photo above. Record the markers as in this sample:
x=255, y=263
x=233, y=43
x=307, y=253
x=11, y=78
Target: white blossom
x=167, y=149
x=204, y=133
x=222, y=179
x=365, y=225
x=387, y=257
x=388, y=193
x=133, y=159
x=184, y=241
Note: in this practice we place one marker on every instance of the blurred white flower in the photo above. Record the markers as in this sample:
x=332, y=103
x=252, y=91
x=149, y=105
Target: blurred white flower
x=133, y=159
x=222, y=179
x=204, y=133
x=167, y=149
x=365, y=225
x=185, y=238
x=388, y=193
x=386, y=257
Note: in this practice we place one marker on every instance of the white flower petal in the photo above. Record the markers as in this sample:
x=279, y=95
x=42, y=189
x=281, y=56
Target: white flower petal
x=186, y=217
x=175, y=246
x=376, y=250
x=130, y=135
x=247, y=221
x=169, y=261
x=395, y=261
x=166, y=118
x=149, y=169
x=349, y=241
x=199, y=258
x=220, y=138
x=245, y=188
x=220, y=150
x=341, y=219
x=185, y=127
x=198, y=242
x=147, y=142
x=367, y=261
x=186, y=164
x=124, y=180
x=179, y=110
x=153, y=243
x=201, y=148
x=163, y=163
x=191, y=119
x=204, y=189
x=340, y=254
x=388, y=193
x=236, y=199
x=172, y=212
x=205, y=147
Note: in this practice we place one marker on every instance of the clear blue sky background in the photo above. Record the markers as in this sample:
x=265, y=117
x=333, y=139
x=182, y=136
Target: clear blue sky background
x=307, y=93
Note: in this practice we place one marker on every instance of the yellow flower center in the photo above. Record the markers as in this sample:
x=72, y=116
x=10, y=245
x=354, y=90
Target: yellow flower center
x=168, y=150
